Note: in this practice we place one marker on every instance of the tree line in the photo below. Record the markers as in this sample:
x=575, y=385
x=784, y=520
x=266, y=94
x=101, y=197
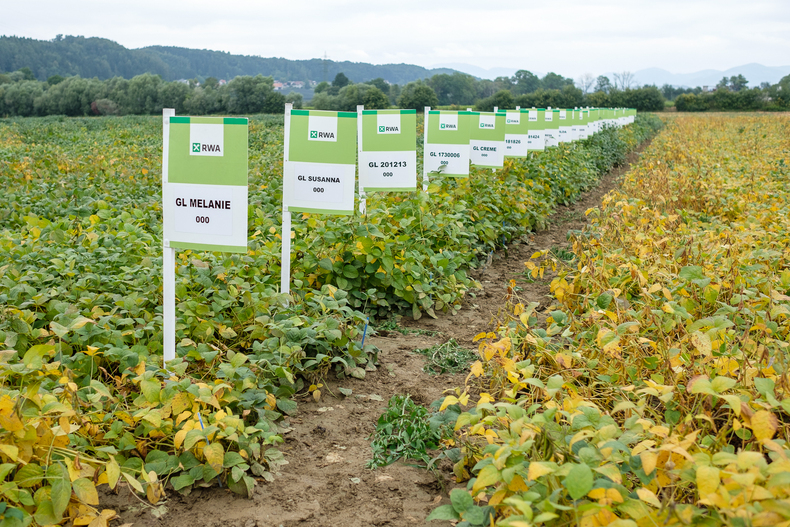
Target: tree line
x=733, y=94
x=22, y=95
x=459, y=90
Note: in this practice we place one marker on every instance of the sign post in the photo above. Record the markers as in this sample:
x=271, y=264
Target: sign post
x=565, y=126
x=536, y=138
x=319, y=170
x=387, y=151
x=516, y=133
x=446, y=144
x=551, y=128
x=204, y=195
x=487, y=139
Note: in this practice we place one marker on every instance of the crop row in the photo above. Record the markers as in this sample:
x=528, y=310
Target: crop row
x=81, y=322
x=655, y=391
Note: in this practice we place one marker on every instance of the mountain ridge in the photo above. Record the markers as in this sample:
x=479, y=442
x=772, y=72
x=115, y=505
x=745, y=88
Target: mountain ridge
x=104, y=58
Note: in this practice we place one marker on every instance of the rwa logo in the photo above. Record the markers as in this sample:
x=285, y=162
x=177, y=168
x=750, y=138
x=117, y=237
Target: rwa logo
x=315, y=134
x=487, y=125
x=206, y=139
x=389, y=129
x=448, y=126
x=202, y=148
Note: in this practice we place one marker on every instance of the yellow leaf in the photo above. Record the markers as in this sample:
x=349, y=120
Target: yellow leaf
x=144, y=171
x=85, y=491
x=484, y=398
x=764, y=425
x=648, y=497
x=113, y=472
x=649, y=460
x=477, y=369
x=488, y=476
x=611, y=472
x=450, y=399
x=701, y=341
x=215, y=456
x=464, y=399
x=707, y=480
x=538, y=469
x=10, y=450
x=181, y=402
x=133, y=482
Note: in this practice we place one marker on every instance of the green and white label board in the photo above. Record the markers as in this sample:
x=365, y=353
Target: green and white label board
x=320, y=154
x=447, y=143
x=576, y=123
x=596, y=116
x=552, y=127
x=204, y=184
x=565, y=126
x=388, y=150
x=536, y=138
x=487, y=139
x=584, y=127
x=516, y=128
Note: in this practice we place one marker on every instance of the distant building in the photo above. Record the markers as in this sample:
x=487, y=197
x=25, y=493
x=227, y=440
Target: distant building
x=222, y=82
x=296, y=84
x=278, y=85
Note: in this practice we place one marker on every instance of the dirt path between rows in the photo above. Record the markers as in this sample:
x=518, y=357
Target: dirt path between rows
x=326, y=482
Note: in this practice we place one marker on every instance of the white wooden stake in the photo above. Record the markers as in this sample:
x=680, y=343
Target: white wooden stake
x=425, y=149
x=168, y=258
x=362, y=194
x=285, y=257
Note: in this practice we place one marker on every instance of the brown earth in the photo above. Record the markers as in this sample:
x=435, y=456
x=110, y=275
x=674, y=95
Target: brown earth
x=326, y=482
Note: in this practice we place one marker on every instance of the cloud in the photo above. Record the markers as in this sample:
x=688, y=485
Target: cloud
x=571, y=38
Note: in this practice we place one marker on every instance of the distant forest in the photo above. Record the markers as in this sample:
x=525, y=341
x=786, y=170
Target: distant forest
x=104, y=59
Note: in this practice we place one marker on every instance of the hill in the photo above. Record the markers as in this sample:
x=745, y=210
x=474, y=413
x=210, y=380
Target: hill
x=103, y=58
x=755, y=73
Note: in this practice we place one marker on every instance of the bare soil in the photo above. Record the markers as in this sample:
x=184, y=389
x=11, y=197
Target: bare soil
x=326, y=482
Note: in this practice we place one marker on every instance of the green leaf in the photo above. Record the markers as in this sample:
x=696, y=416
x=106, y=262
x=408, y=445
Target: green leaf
x=242, y=487
x=764, y=386
x=60, y=492
x=444, y=512
x=33, y=358
x=722, y=384
x=232, y=459
x=700, y=384
x=29, y=476
x=182, y=481
x=461, y=500
x=694, y=274
x=45, y=515
x=59, y=330
x=349, y=271
x=150, y=389
x=287, y=406
x=326, y=264
x=579, y=481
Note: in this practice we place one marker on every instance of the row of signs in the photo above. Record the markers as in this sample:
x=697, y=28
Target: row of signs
x=205, y=160
x=322, y=148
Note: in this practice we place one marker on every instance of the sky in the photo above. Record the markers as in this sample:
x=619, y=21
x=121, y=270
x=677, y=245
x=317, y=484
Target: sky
x=571, y=37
